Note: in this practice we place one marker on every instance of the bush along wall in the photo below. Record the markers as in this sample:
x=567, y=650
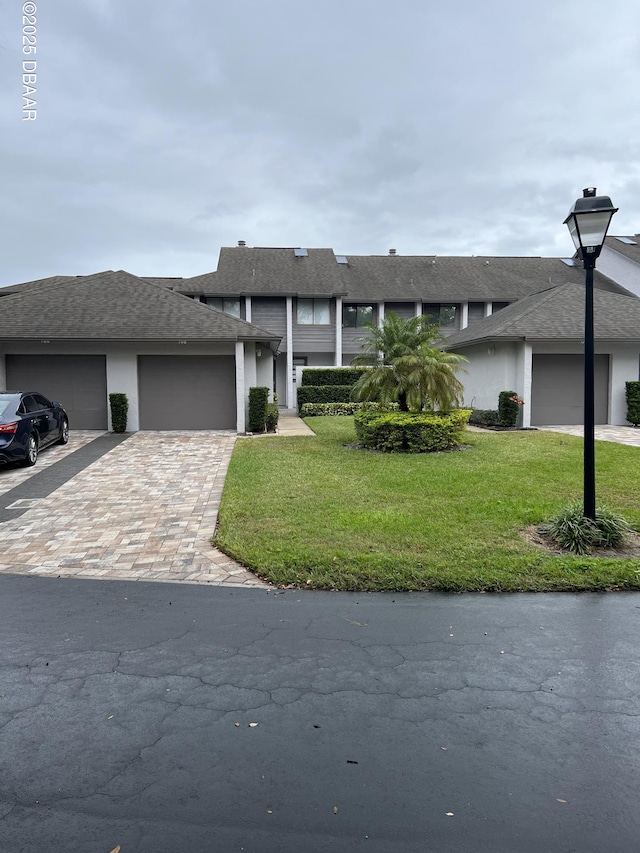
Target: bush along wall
x=406, y=432
x=632, y=392
x=341, y=409
x=119, y=405
x=323, y=394
x=272, y=417
x=331, y=375
x=484, y=417
x=258, y=399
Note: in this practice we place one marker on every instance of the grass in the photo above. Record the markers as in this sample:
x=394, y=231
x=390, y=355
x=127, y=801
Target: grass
x=316, y=512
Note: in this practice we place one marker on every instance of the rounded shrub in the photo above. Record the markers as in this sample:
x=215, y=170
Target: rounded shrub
x=408, y=432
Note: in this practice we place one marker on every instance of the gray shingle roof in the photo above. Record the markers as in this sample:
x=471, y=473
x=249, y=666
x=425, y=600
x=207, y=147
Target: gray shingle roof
x=116, y=306
x=556, y=313
x=30, y=285
x=371, y=278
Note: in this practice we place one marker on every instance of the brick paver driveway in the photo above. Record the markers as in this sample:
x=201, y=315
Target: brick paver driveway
x=144, y=511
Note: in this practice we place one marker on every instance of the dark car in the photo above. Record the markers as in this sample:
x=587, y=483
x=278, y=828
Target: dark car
x=29, y=422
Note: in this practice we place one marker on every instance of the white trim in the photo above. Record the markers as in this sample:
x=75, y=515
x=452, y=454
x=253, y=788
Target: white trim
x=291, y=399
x=526, y=384
x=240, y=392
x=338, y=358
x=418, y=309
x=380, y=313
x=464, y=315
x=488, y=309
x=247, y=309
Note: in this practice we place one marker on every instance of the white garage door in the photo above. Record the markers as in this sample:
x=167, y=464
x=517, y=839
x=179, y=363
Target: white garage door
x=79, y=382
x=557, y=389
x=187, y=392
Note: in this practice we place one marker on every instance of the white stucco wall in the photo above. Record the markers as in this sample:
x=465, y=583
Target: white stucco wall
x=624, y=367
x=264, y=369
x=492, y=368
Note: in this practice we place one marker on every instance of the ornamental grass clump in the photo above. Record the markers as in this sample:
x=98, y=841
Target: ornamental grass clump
x=572, y=530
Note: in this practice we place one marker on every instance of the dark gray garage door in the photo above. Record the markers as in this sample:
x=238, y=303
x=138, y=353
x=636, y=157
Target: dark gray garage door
x=187, y=391
x=557, y=389
x=79, y=382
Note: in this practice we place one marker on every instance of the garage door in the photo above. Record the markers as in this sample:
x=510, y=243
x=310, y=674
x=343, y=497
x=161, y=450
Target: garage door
x=79, y=382
x=557, y=389
x=187, y=392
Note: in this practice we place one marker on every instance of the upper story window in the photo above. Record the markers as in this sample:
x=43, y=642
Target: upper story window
x=229, y=306
x=313, y=312
x=355, y=316
x=444, y=314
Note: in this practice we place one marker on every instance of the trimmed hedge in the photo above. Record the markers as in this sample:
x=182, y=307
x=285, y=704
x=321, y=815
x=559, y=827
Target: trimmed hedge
x=633, y=402
x=258, y=397
x=119, y=405
x=406, y=432
x=273, y=415
x=331, y=376
x=507, y=409
x=322, y=409
x=484, y=417
x=323, y=394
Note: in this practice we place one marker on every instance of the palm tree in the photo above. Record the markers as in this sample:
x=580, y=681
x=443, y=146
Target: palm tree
x=408, y=366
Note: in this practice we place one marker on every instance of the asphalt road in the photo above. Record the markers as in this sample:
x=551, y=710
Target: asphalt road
x=165, y=718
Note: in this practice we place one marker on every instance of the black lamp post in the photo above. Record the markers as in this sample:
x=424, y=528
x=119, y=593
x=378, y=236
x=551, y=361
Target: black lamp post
x=588, y=222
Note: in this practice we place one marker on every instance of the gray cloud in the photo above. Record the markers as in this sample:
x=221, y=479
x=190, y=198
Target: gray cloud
x=165, y=131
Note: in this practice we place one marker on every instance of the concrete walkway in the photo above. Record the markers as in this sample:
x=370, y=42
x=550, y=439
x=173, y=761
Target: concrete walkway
x=293, y=425
x=144, y=511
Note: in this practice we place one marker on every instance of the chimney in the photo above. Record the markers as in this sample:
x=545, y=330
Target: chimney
x=242, y=243
x=392, y=251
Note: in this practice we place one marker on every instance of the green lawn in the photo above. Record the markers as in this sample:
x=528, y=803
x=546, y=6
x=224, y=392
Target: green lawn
x=315, y=512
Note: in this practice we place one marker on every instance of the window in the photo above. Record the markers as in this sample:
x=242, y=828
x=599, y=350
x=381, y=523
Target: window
x=313, y=312
x=441, y=313
x=355, y=316
x=229, y=306
x=498, y=306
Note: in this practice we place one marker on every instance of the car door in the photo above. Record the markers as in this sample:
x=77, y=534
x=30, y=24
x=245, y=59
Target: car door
x=37, y=414
x=53, y=425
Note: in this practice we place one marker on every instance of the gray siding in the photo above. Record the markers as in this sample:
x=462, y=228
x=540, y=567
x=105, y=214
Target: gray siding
x=314, y=338
x=406, y=310
x=476, y=311
x=270, y=313
x=351, y=339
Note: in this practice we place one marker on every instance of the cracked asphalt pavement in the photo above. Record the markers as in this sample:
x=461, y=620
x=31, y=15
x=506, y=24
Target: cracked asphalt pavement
x=163, y=718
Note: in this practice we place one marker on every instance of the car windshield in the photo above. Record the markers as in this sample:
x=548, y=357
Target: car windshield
x=7, y=404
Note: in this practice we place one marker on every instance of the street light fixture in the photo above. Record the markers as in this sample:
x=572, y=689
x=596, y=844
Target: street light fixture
x=588, y=222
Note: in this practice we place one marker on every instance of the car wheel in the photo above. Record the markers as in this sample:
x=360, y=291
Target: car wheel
x=32, y=452
x=64, y=432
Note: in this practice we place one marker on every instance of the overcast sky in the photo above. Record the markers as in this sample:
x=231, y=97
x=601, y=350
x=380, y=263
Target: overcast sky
x=165, y=130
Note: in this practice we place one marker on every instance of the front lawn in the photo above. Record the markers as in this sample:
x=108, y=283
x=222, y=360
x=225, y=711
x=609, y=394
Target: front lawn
x=314, y=511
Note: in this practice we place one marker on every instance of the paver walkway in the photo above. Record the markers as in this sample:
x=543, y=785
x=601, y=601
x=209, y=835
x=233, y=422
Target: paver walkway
x=144, y=511
x=619, y=434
